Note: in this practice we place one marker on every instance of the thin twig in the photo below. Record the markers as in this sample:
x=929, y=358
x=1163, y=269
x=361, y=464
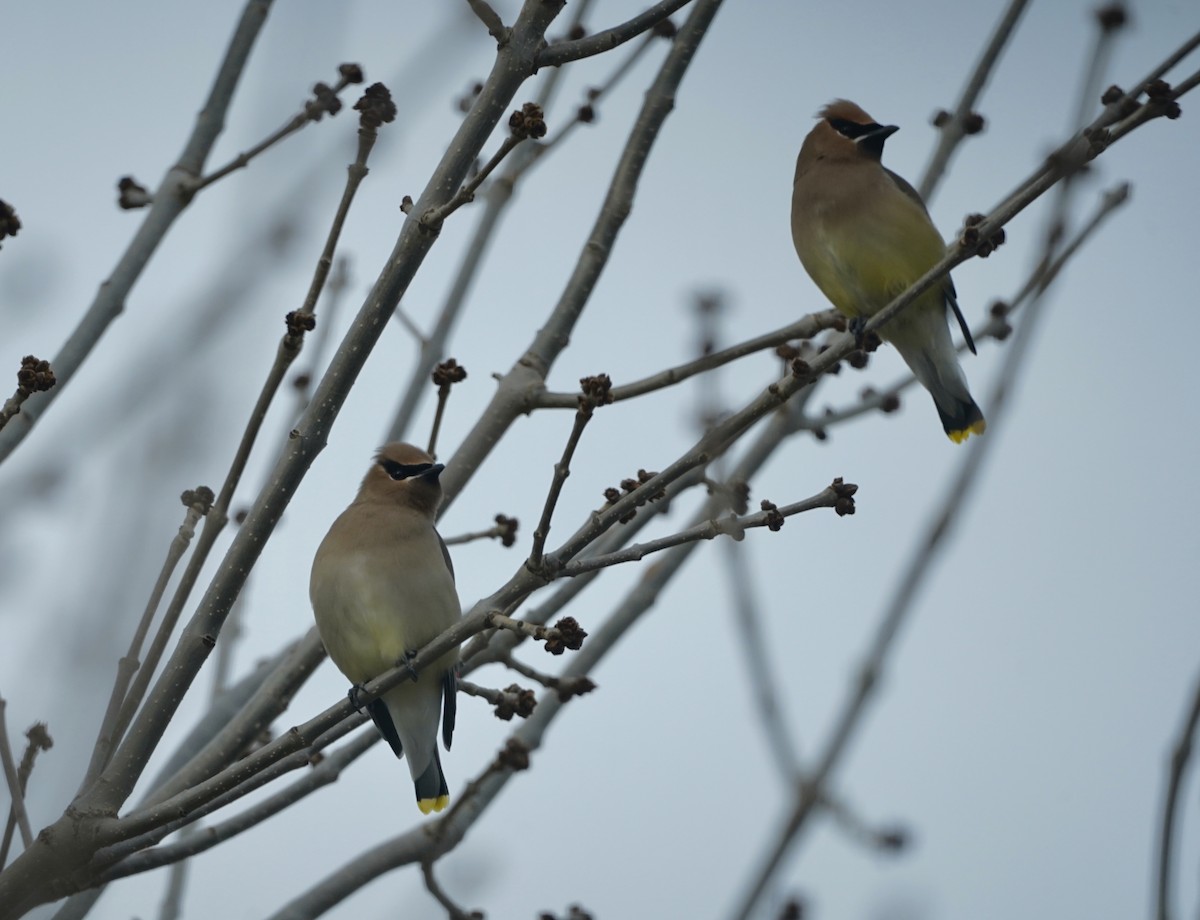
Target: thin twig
x=197, y=503
x=453, y=910
x=805, y=328
x=504, y=530
x=14, y=781
x=953, y=130
x=835, y=496
x=587, y=112
x=562, y=469
x=172, y=906
x=1176, y=767
x=435, y=217
x=313, y=111
x=560, y=53
x=38, y=739
x=491, y=19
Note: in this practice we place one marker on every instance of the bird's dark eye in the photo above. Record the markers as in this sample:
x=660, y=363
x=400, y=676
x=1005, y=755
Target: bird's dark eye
x=845, y=128
x=400, y=471
x=851, y=129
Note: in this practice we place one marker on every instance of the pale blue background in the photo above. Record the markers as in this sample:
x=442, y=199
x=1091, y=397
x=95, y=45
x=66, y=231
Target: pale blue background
x=1025, y=724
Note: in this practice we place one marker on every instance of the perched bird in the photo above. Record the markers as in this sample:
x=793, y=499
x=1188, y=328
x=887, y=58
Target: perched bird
x=864, y=236
x=382, y=586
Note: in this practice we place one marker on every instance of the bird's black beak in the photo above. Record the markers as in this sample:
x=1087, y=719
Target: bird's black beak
x=434, y=471
x=873, y=139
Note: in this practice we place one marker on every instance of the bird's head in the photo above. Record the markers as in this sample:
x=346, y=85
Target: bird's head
x=846, y=132
x=406, y=475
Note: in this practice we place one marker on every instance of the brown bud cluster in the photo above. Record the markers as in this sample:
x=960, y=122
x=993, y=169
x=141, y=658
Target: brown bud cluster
x=774, y=518
x=35, y=376
x=515, y=701
x=514, y=756
x=375, y=108
x=576, y=686
x=324, y=100
x=970, y=238
x=568, y=634
x=857, y=359
x=131, y=195
x=973, y=123
x=507, y=528
x=299, y=323
x=9, y=222
x=448, y=373
x=595, y=391
x=528, y=121
x=890, y=403
x=1159, y=92
x=201, y=496
x=845, y=496
x=1112, y=17
x=1113, y=94
x=350, y=73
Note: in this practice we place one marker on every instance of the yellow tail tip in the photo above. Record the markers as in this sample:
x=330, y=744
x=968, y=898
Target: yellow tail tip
x=961, y=435
x=428, y=805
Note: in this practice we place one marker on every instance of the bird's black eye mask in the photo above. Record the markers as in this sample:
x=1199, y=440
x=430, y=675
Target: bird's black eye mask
x=868, y=137
x=399, y=471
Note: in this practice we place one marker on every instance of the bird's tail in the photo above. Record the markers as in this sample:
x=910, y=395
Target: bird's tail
x=935, y=365
x=432, y=792
x=961, y=416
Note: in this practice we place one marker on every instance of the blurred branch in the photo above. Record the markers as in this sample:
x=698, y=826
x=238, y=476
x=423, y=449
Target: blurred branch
x=1180, y=755
x=38, y=739
x=560, y=53
x=759, y=671
x=171, y=198
x=16, y=788
x=956, y=127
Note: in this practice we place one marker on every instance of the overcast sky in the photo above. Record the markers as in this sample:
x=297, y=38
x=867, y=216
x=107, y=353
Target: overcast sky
x=1024, y=728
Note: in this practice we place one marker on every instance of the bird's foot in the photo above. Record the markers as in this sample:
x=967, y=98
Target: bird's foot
x=354, y=694
x=406, y=662
x=858, y=328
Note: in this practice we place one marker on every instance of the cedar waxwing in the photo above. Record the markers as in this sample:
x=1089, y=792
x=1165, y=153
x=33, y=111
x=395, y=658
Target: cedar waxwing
x=382, y=586
x=864, y=236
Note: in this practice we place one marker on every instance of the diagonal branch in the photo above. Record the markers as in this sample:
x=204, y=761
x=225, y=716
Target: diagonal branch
x=560, y=53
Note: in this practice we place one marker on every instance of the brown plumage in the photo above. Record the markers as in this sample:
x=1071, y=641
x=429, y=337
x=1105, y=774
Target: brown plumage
x=864, y=236
x=382, y=586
